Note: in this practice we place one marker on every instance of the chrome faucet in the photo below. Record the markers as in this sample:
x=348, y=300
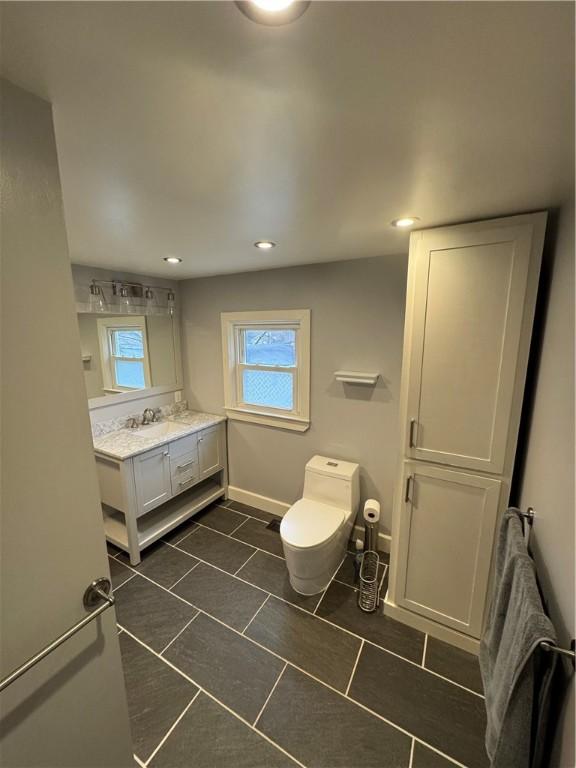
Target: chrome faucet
x=148, y=416
x=132, y=423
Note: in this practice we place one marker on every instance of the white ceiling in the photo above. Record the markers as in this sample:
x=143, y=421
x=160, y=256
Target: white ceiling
x=186, y=129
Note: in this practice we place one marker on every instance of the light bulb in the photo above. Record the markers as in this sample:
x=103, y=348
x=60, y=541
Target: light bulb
x=97, y=303
x=265, y=245
x=149, y=299
x=406, y=221
x=171, y=302
x=125, y=302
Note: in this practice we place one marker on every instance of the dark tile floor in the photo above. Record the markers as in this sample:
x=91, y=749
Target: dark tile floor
x=225, y=665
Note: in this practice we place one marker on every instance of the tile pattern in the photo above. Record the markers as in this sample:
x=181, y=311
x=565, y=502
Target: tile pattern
x=118, y=573
x=156, y=695
x=150, y=613
x=222, y=596
x=216, y=549
x=256, y=533
x=220, y=518
x=433, y=709
x=454, y=663
x=236, y=671
x=270, y=573
x=306, y=641
x=339, y=605
x=208, y=736
x=321, y=728
x=163, y=564
x=255, y=707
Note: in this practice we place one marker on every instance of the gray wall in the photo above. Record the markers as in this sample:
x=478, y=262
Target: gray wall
x=357, y=323
x=548, y=477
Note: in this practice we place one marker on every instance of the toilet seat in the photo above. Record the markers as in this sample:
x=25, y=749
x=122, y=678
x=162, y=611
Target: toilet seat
x=309, y=524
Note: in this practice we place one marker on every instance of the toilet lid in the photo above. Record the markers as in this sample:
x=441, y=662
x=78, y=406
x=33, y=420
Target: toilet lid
x=309, y=523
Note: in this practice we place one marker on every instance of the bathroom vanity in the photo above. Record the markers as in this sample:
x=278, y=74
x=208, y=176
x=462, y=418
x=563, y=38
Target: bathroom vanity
x=155, y=477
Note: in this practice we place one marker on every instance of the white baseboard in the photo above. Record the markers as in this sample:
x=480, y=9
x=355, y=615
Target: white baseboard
x=280, y=508
x=273, y=506
x=384, y=540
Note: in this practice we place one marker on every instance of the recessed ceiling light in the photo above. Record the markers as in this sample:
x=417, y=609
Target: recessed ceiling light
x=406, y=221
x=172, y=259
x=273, y=5
x=265, y=245
x=273, y=12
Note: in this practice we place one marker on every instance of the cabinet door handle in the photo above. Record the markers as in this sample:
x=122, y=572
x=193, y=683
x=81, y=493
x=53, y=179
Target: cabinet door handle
x=166, y=453
x=408, y=494
x=185, y=482
x=183, y=466
x=412, y=436
x=200, y=439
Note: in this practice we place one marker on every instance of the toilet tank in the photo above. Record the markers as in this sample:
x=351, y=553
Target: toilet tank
x=333, y=482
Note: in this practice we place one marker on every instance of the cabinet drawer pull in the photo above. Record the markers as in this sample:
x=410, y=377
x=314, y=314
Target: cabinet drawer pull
x=185, y=482
x=408, y=494
x=412, y=438
x=188, y=463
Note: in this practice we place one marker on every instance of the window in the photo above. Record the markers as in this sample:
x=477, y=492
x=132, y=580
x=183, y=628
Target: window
x=267, y=367
x=124, y=353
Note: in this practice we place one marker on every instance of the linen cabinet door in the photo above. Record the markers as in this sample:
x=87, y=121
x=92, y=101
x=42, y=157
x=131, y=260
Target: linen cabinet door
x=466, y=310
x=209, y=451
x=445, y=544
x=152, y=479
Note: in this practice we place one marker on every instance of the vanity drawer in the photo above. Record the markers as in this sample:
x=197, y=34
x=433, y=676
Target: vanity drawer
x=184, y=445
x=184, y=471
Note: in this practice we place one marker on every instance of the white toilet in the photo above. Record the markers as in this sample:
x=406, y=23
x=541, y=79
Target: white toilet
x=316, y=528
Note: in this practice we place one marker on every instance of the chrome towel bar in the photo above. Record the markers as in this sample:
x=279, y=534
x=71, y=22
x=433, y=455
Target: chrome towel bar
x=528, y=520
x=99, y=590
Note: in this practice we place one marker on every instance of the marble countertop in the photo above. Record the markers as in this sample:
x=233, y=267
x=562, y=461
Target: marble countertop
x=125, y=443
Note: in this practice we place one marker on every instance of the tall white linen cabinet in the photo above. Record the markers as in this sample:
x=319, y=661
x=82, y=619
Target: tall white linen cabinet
x=470, y=306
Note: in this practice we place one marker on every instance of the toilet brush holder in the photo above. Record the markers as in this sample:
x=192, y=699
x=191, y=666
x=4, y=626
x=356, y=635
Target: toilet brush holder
x=369, y=589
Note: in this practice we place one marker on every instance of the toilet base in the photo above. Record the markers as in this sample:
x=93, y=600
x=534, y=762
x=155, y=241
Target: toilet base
x=312, y=586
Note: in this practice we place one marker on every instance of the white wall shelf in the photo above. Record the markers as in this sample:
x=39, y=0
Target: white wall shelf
x=356, y=377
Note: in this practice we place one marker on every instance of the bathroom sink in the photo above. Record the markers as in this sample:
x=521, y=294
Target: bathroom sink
x=164, y=429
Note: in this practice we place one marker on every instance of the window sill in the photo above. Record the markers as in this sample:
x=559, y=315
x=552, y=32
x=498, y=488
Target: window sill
x=293, y=423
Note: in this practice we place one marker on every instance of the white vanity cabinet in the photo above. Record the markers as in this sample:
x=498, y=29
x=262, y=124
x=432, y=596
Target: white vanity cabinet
x=147, y=494
x=471, y=296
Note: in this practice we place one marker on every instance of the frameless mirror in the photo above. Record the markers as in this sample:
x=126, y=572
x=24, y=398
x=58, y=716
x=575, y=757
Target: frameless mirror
x=126, y=353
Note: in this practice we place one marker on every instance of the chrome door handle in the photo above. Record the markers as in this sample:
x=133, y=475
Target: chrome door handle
x=413, y=432
x=100, y=589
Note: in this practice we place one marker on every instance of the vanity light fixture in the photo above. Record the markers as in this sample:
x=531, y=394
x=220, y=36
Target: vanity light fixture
x=149, y=298
x=273, y=13
x=97, y=303
x=172, y=259
x=405, y=222
x=265, y=245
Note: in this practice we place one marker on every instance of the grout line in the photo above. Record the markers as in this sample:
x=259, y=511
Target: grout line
x=186, y=535
x=177, y=635
x=299, y=608
x=237, y=571
x=211, y=696
x=231, y=534
x=411, y=754
x=308, y=674
x=424, y=651
x=174, y=724
x=253, y=617
x=354, y=668
x=183, y=577
x=134, y=573
x=270, y=695
x=140, y=763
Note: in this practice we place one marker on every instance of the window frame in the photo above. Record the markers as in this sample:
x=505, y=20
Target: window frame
x=233, y=326
x=106, y=326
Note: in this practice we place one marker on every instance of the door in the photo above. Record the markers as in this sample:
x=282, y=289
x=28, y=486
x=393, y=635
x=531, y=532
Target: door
x=152, y=479
x=445, y=544
x=466, y=304
x=209, y=452
x=70, y=709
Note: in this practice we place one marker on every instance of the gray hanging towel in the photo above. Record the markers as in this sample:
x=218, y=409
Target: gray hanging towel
x=516, y=672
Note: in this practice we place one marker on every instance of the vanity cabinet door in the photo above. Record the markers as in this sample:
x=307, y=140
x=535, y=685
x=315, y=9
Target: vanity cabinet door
x=209, y=451
x=445, y=537
x=152, y=479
